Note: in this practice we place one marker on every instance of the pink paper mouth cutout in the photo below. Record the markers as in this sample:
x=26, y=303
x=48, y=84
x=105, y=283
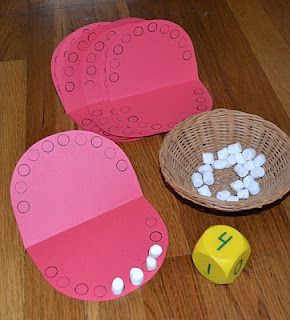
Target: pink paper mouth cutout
x=82, y=216
x=152, y=80
x=134, y=78
x=66, y=73
x=60, y=52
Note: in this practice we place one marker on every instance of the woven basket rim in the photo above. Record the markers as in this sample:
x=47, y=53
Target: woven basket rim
x=213, y=203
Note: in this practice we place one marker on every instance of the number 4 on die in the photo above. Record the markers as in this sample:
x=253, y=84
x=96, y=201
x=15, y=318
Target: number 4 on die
x=221, y=253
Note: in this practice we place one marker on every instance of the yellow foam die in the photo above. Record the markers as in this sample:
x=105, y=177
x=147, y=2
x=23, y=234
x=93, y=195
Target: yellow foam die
x=221, y=253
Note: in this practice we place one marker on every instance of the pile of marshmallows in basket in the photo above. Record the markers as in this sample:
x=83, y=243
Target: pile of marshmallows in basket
x=247, y=165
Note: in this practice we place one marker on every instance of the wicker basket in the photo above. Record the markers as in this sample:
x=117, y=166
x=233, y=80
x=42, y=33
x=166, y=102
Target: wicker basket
x=180, y=155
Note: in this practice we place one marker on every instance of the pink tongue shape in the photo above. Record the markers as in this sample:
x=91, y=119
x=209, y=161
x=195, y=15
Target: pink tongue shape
x=82, y=215
x=152, y=80
x=67, y=73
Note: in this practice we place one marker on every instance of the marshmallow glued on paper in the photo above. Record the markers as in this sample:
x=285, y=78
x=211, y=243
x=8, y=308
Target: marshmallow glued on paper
x=118, y=286
x=151, y=263
x=155, y=251
x=136, y=276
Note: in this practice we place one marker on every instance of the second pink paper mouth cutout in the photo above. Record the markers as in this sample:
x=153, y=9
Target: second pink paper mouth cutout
x=161, y=87
x=82, y=215
x=60, y=51
x=69, y=78
x=91, y=75
x=68, y=46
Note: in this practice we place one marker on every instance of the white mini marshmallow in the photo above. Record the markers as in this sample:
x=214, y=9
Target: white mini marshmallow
x=219, y=164
x=254, y=188
x=136, y=276
x=155, y=251
x=118, y=286
x=259, y=160
x=223, y=195
x=247, y=181
x=240, y=170
x=249, y=165
x=196, y=179
x=257, y=172
x=205, y=168
x=208, y=178
x=233, y=198
x=207, y=157
x=243, y=194
x=228, y=164
x=204, y=191
x=235, y=148
x=237, y=185
x=232, y=159
x=240, y=159
x=249, y=154
x=151, y=263
x=223, y=153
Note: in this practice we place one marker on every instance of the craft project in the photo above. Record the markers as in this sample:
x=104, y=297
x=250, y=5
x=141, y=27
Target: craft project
x=61, y=52
x=66, y=73
x=83, y=218
x=152, y=76
x=131, y=78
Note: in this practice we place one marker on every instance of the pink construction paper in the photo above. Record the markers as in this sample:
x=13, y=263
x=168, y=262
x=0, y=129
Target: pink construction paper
x=69, y=74
x=130, y=79
x=92, y=71
x=152, y=80
x=61, y=72
x=69, y=79
x=82, y=215
x=60, y=51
